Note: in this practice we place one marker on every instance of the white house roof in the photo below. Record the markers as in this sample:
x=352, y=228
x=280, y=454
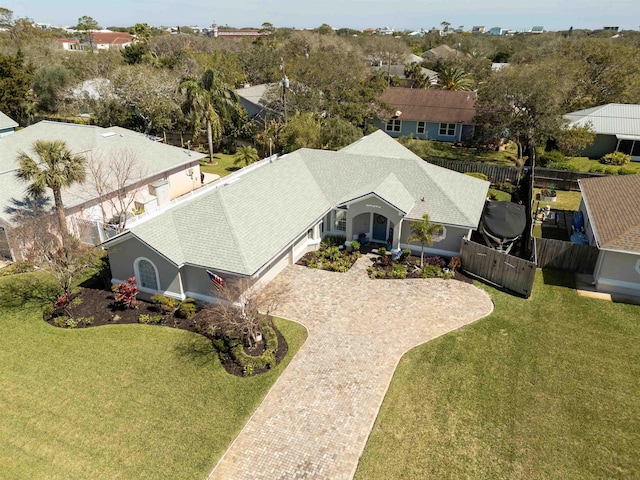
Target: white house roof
x=6, y=122
x=95, y=143
x=241, y=226
x=609, y=119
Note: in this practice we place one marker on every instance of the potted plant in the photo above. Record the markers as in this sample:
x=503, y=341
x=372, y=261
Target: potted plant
x=548, y=194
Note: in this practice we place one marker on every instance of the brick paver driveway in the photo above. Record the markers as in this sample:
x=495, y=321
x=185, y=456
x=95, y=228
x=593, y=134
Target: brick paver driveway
x=316, y=419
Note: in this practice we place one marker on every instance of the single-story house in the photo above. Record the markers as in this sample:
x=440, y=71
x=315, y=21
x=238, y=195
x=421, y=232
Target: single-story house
x=102, y=40
x=254, y=99
x=444, y=115
x=617, y=128
x=7, y=125
x=398, y=71
x=255, y=222
x=611, y=209
x=159, y=173
x=442, y=52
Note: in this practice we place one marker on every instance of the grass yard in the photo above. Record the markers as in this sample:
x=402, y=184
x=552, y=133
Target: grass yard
x=584, y=164
x=115, y=402
x=542, y=388
x=564, y=200
x=224, y=166
x=445, y=150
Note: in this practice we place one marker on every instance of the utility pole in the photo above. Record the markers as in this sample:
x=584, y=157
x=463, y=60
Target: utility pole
x=285, y=85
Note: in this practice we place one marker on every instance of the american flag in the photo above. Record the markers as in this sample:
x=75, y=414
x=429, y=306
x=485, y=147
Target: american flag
x=217, y=280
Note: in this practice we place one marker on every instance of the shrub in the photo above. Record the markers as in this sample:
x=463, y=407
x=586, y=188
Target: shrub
x=455, y=263
x=47, y=310
x=85, y=320
x=615, y=158
x=62, y=301
x=126, y=293
x=71, y=323
x=431, y=271
x=333, y=240
x=150, y=319
x=479, y=175
x=435, y=260
x=549, y=158
x=60, y=322
x=77, y=301
x=399, y=271
x=355, y=245
x=268, y=357
x=163, y=304
x=626, y=171
x=406, y=253
x=505, y=187
x=611, y=171
x=597, y=169
x=17, y=267
x=382, y=251
x=187, y=308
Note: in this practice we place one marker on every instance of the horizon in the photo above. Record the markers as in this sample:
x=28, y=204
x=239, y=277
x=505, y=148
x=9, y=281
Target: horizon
x=355, y=14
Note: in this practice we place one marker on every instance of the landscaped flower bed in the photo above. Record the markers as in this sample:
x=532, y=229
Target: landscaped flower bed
x=330, y=258
x=409, y=267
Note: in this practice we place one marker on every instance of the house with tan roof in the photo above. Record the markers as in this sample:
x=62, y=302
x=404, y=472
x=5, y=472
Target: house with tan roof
x=430, y=114
x=611, y=209
x=254, y=222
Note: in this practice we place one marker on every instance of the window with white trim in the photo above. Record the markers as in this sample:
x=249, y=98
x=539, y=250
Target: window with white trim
x=340, y=222
x=447, y=129
x=440, y=235
x=421, y=128
x=394, y=125
x=147, y=274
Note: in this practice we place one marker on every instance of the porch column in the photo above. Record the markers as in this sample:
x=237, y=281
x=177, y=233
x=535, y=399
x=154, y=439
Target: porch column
x=349, y=231
x=396, y=234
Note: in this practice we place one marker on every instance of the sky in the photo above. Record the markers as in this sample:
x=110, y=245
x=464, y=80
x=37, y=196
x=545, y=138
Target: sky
x=357, y=14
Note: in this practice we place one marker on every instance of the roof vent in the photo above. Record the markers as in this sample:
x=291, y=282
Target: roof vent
x=108, y=134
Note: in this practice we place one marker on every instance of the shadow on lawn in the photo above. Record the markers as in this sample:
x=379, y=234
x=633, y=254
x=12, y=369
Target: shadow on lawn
x=27, y=288
x=197, y=350
x=559, y=278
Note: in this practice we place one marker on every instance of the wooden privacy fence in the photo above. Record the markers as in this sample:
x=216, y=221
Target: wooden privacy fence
x=498, y=173
x=512, y=273
x=565, y=255
x=560, y=179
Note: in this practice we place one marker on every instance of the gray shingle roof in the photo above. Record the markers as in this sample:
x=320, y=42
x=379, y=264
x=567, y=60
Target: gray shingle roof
x=6, y=122
x=609, y=119
x=96, y=143
x=241, y=226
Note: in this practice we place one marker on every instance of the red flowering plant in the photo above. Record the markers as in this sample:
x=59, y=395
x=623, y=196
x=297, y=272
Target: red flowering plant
x=125, y=294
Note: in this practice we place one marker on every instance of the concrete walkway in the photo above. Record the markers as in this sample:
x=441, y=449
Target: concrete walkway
x=315, y=421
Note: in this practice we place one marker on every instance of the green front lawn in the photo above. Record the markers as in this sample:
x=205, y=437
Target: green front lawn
x=444, y=150
x=116, y=402
x=224, y=166
x=542, y=388
x=584, y=164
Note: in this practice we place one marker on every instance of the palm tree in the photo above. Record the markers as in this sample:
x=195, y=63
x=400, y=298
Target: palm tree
x=454, y=79
x=423, y=232
x=246, y=155
x=210, y=102
x=56, y=168
x=413, y=71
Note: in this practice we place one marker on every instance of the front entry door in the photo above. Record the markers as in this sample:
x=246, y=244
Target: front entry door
x=379, y=228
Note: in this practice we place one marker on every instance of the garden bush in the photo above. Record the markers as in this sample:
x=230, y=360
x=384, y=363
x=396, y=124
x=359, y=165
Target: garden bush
x=150, y=319
x=406, y=253
x=17, y=267
x=399, y=271
x=187, y=308
x=626, y=171
x=382, y=251
x=549, y=158
x=333, y=240
x=563, y=166
x=615, y=158
x=611, y=171
x=431, y=271
x=163, y=303
x=436, y=261
x=249, y=362
x=126, y=294
x=597, y=169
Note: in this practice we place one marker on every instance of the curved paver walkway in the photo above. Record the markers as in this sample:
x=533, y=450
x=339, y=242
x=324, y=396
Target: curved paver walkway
x=315, y=421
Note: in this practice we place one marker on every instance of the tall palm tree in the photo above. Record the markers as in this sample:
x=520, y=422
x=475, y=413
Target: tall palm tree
x=210, y=103
x=423, y=232
x=56, y=168
x=246, y=155
x=454, y=79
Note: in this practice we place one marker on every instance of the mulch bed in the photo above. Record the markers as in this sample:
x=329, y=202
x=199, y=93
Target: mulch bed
x=99, y=304
x=413, y=273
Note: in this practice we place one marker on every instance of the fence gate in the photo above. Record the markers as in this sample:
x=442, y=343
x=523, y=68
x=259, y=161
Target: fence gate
x=512, y=273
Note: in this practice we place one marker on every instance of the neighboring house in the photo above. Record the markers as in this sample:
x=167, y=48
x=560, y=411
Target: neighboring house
x=254, y=99
x=497, y=31
x=254, y=223
x=537, y=29
x=161, y=172
x=443, y=52
x=234, y=34
x=444, y=115
x=617, y=128
x=102, y=40
x=611, y=209
x=477, y=29
x=398, y=71
x=7, y=125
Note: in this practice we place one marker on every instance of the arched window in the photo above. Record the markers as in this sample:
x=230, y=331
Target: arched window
x=146, y=274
